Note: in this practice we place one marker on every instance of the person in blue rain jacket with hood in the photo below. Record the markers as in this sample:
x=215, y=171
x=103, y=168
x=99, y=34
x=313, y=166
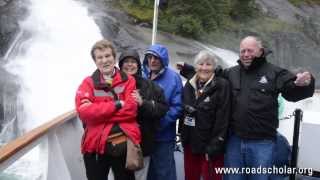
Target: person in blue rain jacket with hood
x=156, y=67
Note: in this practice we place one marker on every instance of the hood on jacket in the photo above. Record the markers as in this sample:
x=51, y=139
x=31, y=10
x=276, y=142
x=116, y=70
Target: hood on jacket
x=131, y=53
x=159, y=51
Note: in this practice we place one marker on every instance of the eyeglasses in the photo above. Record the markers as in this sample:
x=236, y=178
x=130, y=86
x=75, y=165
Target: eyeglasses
x=149, y=56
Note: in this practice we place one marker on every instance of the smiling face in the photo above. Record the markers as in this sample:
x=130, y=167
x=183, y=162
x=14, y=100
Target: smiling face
x=130, y=66
x=205, y=69
x=250, y=48
x=104, y=60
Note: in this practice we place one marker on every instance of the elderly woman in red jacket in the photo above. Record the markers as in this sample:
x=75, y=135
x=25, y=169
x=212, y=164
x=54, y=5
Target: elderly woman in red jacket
x=108, y=111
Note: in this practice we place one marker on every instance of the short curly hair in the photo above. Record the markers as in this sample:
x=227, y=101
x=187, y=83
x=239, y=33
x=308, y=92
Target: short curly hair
x=205, y=55
x=102, y=44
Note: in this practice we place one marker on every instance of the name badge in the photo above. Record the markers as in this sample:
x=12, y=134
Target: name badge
x=189, y=121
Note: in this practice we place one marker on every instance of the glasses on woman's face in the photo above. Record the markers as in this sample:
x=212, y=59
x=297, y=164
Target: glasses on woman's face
x=149, y=56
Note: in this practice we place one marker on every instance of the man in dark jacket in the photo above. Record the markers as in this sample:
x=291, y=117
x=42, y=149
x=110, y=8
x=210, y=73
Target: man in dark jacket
x=256, y=85
x=152, y=105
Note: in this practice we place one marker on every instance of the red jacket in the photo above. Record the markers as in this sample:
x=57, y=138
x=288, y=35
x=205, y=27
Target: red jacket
x=102, y=114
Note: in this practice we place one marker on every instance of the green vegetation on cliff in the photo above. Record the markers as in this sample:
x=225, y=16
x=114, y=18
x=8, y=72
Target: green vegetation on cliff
x=301, y=2
x=139, y=9
x=192, y=18
x=206, y=19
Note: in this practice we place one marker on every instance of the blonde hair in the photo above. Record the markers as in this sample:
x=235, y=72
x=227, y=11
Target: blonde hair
x=102, y=44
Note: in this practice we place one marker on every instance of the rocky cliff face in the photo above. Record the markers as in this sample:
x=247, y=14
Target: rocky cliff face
x=117, y=26
x=297, y=48
x=11, y=12
x=292, y=33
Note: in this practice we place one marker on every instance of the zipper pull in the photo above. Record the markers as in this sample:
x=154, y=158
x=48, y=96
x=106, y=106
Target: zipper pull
x=97, y=157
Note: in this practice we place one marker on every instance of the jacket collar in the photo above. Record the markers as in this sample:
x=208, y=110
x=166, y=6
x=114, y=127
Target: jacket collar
x=208, y=86
x=256, y=63
x=117, y=78
x=160, y=73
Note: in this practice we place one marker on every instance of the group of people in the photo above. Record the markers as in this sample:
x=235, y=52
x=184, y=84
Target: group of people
x=227, y=118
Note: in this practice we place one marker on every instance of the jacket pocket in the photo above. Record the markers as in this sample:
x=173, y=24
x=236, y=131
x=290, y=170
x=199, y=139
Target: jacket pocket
x=262, y=97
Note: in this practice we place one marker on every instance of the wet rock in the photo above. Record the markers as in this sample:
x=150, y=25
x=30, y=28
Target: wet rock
x=298, y=48
x=11, y=11
x=281, y=9
x=3, y=3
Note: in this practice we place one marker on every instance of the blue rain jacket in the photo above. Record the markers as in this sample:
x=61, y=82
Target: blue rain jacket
x=171, y=84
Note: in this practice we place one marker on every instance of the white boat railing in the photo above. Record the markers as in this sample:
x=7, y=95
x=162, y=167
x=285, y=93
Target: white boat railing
x=63, y=137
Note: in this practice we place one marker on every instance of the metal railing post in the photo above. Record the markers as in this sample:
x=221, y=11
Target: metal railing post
x=155, y=22
x=295, y=143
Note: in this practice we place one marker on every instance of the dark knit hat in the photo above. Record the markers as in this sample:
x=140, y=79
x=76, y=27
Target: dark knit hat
x=130, y=53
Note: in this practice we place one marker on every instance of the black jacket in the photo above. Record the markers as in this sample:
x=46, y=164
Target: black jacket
x=154, y=107
x=254, y=96
x=211, y=113
x=255, y=91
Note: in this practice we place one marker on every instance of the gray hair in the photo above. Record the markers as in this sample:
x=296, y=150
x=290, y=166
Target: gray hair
x=205, y=55
x=257, y=39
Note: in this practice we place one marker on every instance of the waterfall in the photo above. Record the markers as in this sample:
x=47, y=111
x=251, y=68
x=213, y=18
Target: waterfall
x=50, y=64
x=54, y=59
x=227, y=58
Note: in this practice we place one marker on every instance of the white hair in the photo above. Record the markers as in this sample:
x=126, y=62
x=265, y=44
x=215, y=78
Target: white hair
x=205, y=55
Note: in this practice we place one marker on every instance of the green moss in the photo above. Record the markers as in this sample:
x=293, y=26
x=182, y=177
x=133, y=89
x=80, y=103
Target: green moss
x=190, y=18
x=295, y=2
x=301, y=2
x=141, y=13
x=199, y=18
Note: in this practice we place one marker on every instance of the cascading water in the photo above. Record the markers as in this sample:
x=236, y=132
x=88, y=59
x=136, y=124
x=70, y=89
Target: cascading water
x=56, y=58
x=228, y=58
x=52, y=63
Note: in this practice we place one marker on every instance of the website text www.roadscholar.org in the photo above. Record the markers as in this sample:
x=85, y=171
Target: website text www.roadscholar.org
x=265, y=170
